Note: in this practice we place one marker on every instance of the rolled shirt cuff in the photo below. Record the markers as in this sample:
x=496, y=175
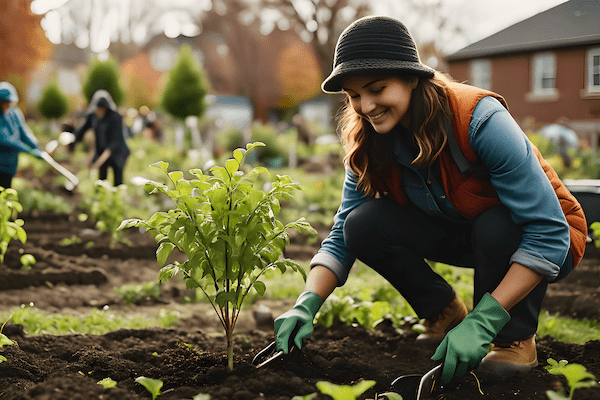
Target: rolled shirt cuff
x=536, y=262
x=331, y=263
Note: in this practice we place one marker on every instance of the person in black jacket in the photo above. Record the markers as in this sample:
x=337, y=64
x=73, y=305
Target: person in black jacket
x=111, y=148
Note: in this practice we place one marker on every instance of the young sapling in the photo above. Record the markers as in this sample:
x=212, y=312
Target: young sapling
x=225, y=224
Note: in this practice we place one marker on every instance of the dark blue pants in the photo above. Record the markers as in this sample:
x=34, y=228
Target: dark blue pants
x=395, y=241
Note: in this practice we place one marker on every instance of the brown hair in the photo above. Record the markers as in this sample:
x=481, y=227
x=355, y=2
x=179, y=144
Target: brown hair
x=429, y=116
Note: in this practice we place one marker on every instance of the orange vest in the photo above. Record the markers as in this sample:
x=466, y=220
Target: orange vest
x=473, y=195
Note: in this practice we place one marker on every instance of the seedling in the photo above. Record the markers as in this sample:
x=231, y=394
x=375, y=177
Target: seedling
x=107, y=206
x=576, y=374
x=107, y=383
x=27, y=260
x=4, y=341
x=225, y=224
x=340, y=392
x=9, y=208
x=152, y=385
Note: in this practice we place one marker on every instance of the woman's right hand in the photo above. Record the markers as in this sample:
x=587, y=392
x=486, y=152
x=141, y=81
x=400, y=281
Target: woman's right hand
x=296, y=325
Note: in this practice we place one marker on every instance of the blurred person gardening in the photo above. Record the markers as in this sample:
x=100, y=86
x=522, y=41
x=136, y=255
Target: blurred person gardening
x=440, y=171
x=111, y=149
x=14, y=138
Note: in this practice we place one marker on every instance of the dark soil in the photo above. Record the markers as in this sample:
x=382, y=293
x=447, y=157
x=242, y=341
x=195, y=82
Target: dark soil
x=190, y=358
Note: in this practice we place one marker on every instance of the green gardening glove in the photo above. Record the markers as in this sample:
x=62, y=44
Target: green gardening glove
x=297, y=323
x=464, y=346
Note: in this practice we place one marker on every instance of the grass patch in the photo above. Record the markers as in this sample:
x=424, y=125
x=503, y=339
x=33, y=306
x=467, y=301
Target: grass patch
x=568, y=330
x=98, y=322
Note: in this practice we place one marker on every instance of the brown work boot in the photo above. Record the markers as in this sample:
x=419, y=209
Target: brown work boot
x=507, y=359
x=437, y=327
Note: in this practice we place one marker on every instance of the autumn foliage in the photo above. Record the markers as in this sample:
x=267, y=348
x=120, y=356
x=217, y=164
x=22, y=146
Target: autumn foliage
x=23, y=42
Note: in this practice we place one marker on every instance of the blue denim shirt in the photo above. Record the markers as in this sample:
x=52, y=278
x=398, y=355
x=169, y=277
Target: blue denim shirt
x=515, y=173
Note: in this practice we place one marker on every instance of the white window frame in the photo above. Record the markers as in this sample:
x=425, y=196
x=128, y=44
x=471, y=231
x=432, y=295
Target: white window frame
x=593, y=70
x=481, y=73
x=543, y=74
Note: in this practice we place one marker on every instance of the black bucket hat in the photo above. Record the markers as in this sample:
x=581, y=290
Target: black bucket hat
x=375, y=45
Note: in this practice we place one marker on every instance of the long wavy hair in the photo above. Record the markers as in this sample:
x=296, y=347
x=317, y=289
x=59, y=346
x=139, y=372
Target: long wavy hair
x=429, y=122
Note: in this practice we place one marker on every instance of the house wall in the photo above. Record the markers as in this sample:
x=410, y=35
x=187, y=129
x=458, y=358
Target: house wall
x=511, y=77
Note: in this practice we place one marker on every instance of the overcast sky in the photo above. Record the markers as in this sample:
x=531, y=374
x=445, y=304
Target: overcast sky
x=485, y=16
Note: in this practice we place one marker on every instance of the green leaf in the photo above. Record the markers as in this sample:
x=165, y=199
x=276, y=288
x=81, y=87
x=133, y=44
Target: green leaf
x=161, y=165
x=239, y=154
x=250, y=146
x=260, y=288
x=220, y=173
x=3, y=359
x=152, y=385
x=232, y=166
x=225, y=297
x=201, y=396
x=167, y=272
x=107, y=383
x=344, y=392
x=20, y=234
x=163, y=252
x=175, y=175
x=5, y=341
x=130, y=223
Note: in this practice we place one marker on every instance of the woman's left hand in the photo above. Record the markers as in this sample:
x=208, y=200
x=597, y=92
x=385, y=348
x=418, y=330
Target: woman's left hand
x=464, y=346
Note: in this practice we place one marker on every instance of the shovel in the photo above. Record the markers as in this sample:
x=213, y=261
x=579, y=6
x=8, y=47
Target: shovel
x=73, y=181
x=417, y=387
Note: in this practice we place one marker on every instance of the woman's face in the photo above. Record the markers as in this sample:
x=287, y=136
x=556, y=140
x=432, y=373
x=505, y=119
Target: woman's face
x=4, y=106
x=383, y=100
x=100, y=112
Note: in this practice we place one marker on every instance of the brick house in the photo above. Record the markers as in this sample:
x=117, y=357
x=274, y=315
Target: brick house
x=547, y=66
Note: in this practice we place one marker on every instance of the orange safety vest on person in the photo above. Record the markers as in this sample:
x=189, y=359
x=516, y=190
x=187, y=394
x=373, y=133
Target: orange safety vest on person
x=472, y=195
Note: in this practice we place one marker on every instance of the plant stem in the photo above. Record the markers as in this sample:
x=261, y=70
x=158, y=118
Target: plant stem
x=229, y=351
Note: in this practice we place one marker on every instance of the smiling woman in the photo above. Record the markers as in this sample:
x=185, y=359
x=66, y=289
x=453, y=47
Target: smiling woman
x=438, y=170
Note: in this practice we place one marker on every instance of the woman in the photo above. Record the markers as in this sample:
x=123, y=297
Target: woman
x=14, y=138
x=440, y=171
x=107, y=123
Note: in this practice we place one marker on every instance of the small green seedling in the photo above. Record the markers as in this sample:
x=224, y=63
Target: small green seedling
x=4, y=340
x=27, y=260
x=344, y=392
x=201, y=396
x=577, y=377
x=9, y=209
x=107, y=383
x=226, y=225
x=152, y=385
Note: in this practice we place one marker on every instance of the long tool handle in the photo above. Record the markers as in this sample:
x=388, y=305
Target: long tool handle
x=65, y=172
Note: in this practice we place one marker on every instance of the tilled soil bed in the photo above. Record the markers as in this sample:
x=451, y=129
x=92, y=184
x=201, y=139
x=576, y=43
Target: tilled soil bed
x=190, y=358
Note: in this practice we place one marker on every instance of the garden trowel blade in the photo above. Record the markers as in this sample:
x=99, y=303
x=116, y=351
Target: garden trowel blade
x=417, y=387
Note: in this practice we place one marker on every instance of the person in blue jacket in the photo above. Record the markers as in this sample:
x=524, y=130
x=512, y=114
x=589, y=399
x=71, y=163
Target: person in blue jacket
x=13, y=136
x=440, y=171
x=111, y=148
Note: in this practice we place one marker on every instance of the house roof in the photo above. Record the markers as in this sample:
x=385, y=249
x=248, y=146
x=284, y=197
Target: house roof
x=575, y=22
